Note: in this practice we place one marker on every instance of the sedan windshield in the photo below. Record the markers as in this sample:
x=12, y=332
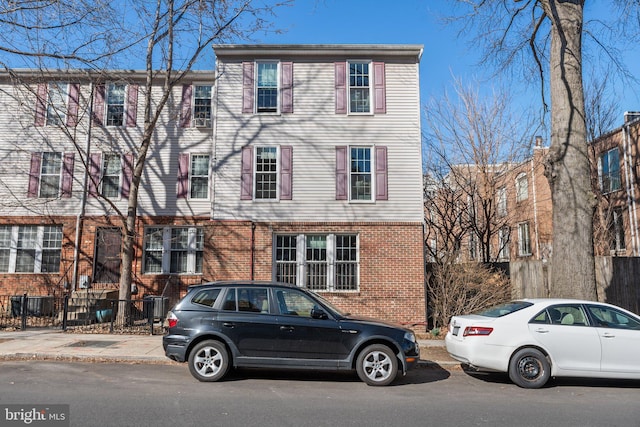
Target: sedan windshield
x=504, y=309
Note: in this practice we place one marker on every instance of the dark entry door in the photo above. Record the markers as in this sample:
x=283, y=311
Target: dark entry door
x=107, y=261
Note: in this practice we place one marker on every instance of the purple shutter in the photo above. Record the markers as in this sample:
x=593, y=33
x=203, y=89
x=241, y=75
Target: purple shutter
x=381, y=174
x=41, y=104
x=286, y=164
x=183, y=175
x=95, y=162
x=342, y=183
x=127, y=175
x=72, y=105
x=246, y=189
x=247, y=87
x=379, y=89
x=286, y=86
x=185, y=106
x=98, y=105
x=34, y=175
x=341, y=87
x=67, y=175
x=132, y=105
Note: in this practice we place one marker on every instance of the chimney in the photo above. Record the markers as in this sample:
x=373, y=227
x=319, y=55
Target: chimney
x=538, y=143
x=631, y=116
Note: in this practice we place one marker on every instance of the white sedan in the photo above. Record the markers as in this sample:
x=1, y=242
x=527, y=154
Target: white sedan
x=535, y=339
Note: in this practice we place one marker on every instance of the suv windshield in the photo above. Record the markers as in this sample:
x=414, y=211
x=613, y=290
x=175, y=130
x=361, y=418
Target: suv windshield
x=504, y=309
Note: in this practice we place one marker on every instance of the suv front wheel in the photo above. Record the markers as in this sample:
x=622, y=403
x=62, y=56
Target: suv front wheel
x=377, y=365
x=209, y=361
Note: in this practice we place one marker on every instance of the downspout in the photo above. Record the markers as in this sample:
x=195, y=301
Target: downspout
x=83, y=202
x=535, y=204
x=630, y=190
x=253, y=249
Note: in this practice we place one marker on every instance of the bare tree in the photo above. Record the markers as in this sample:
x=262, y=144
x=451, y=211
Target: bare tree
x=547, y=36
x=470, y=142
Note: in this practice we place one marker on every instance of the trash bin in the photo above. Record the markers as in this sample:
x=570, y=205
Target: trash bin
x=155, y=306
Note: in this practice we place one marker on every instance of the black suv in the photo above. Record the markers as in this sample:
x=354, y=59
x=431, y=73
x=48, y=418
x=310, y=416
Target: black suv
x=274, y=325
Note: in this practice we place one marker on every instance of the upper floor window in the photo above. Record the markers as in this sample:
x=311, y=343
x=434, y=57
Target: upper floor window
x=524, y=239
x=266, y=173
x=202, y=106
x=111, y=170
x=267, y=87
x=50, y=175
x=30, y=248
x=361, y=173
x=360, y=87
x=193, y=176
x=57, y=103
x=327, y=262
x=609, y=170
x=115, y=104
x=501, y=201
x=616, y=231
x=503, y=243
x=174, y=250
x=522, y=187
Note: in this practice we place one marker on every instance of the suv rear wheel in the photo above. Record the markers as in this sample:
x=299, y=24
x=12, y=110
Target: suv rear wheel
x=209, y=361
x=377, y=365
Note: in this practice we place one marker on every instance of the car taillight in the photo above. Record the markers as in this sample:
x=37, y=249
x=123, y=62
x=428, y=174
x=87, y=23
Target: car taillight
x=172, y=319
x=476, y=331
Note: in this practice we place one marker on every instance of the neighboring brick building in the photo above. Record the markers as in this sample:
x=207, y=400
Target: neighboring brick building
x=294, y=163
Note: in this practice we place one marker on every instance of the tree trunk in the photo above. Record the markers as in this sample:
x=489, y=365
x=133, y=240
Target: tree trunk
x=567, y=168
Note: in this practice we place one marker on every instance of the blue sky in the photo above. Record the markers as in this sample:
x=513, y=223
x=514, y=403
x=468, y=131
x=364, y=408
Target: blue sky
x=413, y=22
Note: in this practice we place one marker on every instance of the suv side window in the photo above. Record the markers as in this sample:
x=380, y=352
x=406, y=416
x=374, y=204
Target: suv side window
x=206, y=297
x=294, y=302
x=255, y=300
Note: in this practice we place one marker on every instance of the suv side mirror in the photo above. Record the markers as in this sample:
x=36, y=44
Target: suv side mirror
x=318, y=313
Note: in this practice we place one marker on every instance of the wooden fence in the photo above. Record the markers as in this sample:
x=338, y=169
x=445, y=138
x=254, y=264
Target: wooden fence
x=617, y=280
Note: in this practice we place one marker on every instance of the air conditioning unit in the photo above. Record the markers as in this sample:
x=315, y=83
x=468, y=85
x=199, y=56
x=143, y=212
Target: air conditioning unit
x=202, y=123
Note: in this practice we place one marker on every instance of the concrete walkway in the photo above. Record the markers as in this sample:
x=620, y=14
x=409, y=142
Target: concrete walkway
x=48, y=344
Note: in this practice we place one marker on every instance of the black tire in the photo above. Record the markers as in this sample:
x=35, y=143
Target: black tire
x=529, y=368
x=377, y=365
x=209, y=361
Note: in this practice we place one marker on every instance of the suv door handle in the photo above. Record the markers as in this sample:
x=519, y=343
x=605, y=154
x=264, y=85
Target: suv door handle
x=229, y=324
x=287, y=328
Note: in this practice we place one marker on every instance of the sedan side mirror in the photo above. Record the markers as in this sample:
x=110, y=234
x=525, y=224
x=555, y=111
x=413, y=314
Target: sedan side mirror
x=318, y=313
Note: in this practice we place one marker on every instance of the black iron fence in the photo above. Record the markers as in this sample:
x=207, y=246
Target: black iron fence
x=88, y=314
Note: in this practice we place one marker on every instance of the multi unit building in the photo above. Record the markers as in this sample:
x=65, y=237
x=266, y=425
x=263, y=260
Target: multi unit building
x=293, y=163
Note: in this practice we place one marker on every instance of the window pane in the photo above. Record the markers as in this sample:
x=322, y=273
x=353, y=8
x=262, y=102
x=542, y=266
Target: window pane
x=111, y=175
x=153, y=250
x=50, y=174
x=361, y=174
x=286, y=264
x=346, y=263
x=5, y=247
x=115, y=104
x=267, y=87
x=359, y=93
x=179, y=246
x=202, y=103
x=316, y=262
x=266, y=173
x=199, y=176
x=56, y=103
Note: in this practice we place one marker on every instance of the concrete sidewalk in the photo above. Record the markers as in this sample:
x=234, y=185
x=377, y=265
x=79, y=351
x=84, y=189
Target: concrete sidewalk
x=48, y=344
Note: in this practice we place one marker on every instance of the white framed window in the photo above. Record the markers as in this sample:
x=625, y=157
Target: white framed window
x=323, y=262
x=173, y=250
x=111, y=172
x=473, y=247
x=30, y=248
x=199, y=176
x=609, y=171
x=115, y=100
x=503, y=243
x=50, y=173
x=522, y=187
x=266, y=173
x=57, y=96
x=267, y=86
x=501, y=201
x=360, y=173
x=524, y=239
x=202, y=95
x=359, y=87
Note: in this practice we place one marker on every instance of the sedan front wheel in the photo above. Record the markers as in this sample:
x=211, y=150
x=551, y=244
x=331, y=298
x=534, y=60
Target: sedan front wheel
x=377, y=365
x=529, y=368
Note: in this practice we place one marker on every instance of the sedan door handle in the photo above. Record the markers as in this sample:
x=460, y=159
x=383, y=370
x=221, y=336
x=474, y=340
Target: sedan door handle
x=287, y=328
x=542, y=330
x=608, y=335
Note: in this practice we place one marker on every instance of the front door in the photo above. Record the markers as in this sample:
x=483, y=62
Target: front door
x=106, y=268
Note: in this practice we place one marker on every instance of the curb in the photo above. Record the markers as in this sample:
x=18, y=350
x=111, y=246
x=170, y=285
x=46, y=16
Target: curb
x=87, y=359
